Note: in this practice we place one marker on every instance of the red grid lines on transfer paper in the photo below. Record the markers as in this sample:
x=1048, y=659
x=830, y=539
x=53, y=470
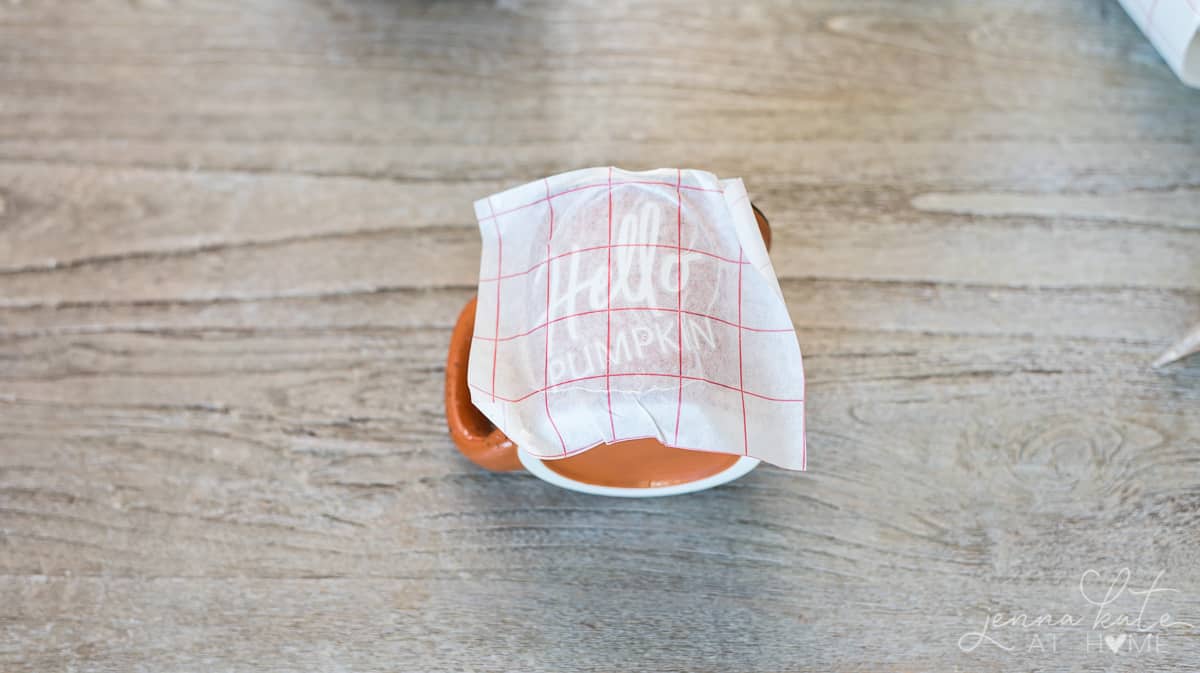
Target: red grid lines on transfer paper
x=741, y=372
x=594, y=248
x=610, y=184
x=595, y=377
x=546, y=364
x=608, y=318
x=608, y=374
x=499, y=266
x=665, y=309
x=678, y=292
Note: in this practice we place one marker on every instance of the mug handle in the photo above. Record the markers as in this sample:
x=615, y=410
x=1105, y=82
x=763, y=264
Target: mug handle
x=481, y=442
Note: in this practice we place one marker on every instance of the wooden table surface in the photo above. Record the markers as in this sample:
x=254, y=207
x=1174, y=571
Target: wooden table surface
x=234, y=237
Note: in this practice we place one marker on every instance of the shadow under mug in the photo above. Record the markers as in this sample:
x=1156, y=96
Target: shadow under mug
x=634, y=468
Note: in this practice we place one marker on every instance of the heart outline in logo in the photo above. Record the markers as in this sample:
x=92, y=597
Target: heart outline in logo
x=1115, y=642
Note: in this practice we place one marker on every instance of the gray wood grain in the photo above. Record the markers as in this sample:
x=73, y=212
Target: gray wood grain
x=234, y=237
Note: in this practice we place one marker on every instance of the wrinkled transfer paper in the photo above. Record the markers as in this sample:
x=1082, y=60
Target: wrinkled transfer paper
x=617, y=305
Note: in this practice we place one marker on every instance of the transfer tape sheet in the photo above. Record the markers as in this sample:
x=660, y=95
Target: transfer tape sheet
x=618, y=305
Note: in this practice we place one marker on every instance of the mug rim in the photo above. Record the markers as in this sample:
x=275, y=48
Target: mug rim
x=537, y=468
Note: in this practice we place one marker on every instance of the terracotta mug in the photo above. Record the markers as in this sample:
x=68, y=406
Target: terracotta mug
x=633, y=468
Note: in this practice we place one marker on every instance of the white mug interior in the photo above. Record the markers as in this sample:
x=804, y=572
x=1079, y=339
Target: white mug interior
x=537, y=468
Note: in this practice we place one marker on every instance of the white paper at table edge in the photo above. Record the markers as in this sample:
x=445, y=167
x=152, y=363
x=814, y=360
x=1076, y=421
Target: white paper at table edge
x=1173, y=27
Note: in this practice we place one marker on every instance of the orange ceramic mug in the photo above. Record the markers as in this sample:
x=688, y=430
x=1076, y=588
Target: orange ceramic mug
x=633, y=468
